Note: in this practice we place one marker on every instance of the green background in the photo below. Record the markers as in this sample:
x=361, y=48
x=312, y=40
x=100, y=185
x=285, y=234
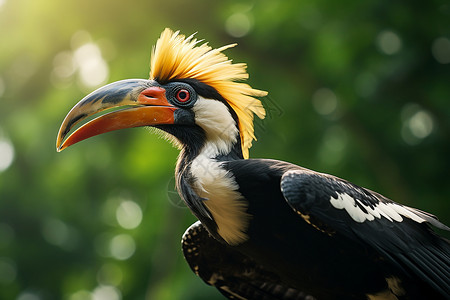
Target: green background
x=358, y=89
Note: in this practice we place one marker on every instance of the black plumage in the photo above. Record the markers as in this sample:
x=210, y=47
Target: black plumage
x=311, y=246
x=235, y=275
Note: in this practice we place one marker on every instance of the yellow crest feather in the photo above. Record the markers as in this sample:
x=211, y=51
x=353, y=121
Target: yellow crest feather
x=177, y=57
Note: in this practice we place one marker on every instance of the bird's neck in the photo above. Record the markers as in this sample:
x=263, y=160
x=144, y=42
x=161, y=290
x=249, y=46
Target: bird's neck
x=210, y=191
x=208, y=151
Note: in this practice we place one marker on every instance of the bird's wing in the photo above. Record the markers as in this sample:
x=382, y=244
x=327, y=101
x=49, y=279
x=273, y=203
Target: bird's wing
x=397, y=232
x=235, y=275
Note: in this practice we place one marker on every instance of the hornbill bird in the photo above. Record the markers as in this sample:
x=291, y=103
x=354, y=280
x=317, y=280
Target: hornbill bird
x=267, y=229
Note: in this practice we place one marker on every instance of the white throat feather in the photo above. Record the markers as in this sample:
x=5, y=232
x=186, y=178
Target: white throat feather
x=212, y=182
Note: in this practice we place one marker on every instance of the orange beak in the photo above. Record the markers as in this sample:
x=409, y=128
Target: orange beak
x=143, y=103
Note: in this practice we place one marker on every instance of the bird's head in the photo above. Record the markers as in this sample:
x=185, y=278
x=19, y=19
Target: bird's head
x=194, y=93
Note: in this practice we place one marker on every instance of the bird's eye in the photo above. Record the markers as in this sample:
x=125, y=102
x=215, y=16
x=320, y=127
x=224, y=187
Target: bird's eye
x=183, y=95
x=180, y=94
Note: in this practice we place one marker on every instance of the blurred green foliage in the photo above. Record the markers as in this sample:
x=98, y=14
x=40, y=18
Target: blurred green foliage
x=358, y=89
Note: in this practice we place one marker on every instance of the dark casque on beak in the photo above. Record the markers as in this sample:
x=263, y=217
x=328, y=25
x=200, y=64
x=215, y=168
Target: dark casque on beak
x=144, y=104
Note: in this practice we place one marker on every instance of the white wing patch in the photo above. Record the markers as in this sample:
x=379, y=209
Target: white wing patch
x=344, y=201
x=391, y=211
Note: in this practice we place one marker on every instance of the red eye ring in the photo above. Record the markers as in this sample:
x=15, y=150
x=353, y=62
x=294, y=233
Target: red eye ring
x=183, y=95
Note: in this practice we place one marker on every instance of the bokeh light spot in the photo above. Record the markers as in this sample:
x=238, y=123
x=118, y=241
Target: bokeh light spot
x=417, y=124
x=6, y=154
x=441, y=50
x=421, y=124
x=324, y=101
x=122, y=246
x=80, y=38
x=63, y=69
x=238, y=25
x=129, y=214
x=57, y=233
x=93, y=70
x=85, y=60
x=64, y=64
x=388, y=42
x=105, y=292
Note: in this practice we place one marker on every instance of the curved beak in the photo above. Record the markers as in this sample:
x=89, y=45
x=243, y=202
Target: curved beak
x=143, y=103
